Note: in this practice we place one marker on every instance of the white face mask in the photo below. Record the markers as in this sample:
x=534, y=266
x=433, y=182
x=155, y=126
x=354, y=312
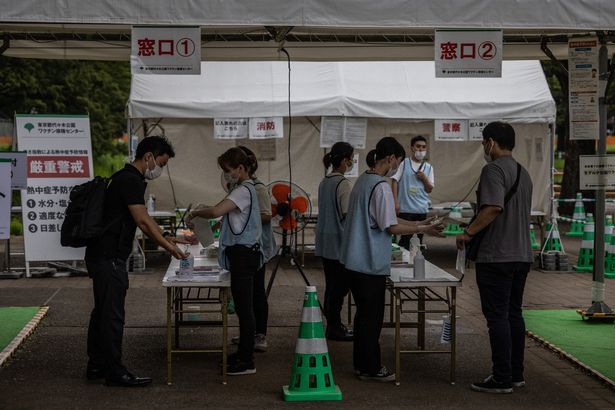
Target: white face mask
x=231, y=180
x=392, y=171
x=153, y=173
x=349, y=167
x=420, y=155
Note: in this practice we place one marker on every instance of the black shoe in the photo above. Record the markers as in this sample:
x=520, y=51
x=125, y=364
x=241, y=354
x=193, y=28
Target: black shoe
x=340, y=333
x=239, y=368
x=128, y=380
x=95, y=373
x=383, y=376
x=490, y=385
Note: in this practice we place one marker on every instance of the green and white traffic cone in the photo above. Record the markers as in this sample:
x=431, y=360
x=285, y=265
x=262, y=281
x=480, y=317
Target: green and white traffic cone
x=576, y=227
x=311, y=377
x=553, y=240
x=608, y=229
x=533, y=241
x=585, y=263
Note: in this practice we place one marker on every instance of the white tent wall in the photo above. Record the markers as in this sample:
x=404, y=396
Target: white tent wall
x=196, y=176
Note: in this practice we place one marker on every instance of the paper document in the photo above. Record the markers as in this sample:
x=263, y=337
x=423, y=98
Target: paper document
x=203, y=232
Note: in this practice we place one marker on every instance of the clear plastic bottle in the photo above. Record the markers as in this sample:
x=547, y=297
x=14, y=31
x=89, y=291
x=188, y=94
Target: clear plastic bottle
x=419, y=265
x=151, y=204
x=415, y=246
x=186, y=266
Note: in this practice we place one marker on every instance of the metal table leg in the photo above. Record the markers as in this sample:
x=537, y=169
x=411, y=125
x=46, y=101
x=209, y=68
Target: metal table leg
x=224, y=332
x=169, y=336
x=453, y=313
x=397, y=300
x=421, y=319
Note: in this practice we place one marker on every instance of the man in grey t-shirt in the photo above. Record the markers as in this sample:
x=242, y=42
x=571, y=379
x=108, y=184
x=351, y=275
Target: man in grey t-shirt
x=504, y=255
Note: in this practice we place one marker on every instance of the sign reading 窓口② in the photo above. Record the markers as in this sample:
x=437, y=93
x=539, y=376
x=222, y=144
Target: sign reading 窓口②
x=165, y=50
x=59, y=156
x=468, y=53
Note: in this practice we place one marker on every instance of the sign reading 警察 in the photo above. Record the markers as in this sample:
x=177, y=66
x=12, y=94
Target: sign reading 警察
x=165, y=50
x=468, y=53
x=59, y=156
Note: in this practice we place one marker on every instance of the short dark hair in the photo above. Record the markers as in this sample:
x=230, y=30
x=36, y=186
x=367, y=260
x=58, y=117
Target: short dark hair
x=233, y=158
x=417, y=138
x=157, y=145
x=389, y=146
x=502, y=133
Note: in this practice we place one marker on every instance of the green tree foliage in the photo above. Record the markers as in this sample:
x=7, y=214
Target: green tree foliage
x=97, y=88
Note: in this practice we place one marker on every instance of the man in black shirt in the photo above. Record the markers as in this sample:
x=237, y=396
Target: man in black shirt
x=106, y=257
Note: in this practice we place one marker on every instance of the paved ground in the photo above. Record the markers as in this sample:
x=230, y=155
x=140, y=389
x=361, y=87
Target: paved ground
x=48, y=370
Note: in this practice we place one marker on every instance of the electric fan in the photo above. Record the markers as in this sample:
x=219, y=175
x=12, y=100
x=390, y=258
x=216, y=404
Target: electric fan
x=290, y=206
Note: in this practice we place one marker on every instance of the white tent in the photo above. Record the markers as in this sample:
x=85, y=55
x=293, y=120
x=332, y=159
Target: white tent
x=400, y=99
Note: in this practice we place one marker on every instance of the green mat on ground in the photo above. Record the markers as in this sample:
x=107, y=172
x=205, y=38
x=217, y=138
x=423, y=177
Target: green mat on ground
x=12, y=320
x=592, y=343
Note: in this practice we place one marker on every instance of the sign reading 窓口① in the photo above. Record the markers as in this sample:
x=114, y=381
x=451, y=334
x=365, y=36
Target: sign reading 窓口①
x=166, y=50
x=59, y=156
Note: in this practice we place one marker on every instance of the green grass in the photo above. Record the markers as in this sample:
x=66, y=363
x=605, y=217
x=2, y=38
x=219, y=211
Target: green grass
x=592, y=343
x=12, y=320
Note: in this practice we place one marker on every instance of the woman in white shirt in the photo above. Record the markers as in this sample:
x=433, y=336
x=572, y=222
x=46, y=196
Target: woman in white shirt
x=240, y=249
x=366, y=254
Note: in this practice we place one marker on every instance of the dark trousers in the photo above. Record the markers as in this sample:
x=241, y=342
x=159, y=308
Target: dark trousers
x=368, y=292
x=337, y=285
x=261, y=307
x=405, y=239
x=243, y=265
x=501, y=295
x=106, y=329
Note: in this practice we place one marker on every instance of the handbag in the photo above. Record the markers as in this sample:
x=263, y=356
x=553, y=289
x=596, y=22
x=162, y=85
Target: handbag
x=474, y=243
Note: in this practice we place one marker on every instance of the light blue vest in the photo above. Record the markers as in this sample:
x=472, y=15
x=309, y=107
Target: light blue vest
x=330, y=225
x=269, y=246
x=411, y=193
x=365, y=248
x=250, y=235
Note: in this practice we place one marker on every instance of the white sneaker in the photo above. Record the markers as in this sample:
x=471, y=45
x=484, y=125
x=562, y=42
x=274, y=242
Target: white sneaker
x=260, y=342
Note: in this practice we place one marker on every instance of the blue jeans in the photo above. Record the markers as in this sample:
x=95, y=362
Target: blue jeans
x=501, y=288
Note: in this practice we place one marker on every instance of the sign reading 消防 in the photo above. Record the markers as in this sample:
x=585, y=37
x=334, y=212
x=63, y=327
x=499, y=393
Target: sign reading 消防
x=59, y=156
x=266, y=127
x=468, y=53
x=5, y=198
x=583, y=88
x=165, y=50
x=19, y=177
x=230, y=128
x=451, y=130
x=597, y=172
x=352, y=130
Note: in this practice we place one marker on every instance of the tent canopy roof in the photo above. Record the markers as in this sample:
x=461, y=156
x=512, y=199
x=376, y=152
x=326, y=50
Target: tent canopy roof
x=401, y=90
x=312, y=30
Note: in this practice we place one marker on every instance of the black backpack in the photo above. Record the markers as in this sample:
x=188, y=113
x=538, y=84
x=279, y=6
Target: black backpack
x=83, y=219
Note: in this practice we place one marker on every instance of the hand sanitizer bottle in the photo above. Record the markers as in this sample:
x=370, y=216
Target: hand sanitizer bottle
x=415, y=246
x=419, y=265
x=151, y=203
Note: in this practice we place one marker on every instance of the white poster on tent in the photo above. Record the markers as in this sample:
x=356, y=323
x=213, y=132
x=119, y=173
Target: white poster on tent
x=59, y=157
x=468, y=53
x=230, y=128
x=165, y=50
x=349, y=129
x=266, y=127
x=583, y=88
x=475, y=129
x=5, y=198
x=19, y=178
x=451, y=130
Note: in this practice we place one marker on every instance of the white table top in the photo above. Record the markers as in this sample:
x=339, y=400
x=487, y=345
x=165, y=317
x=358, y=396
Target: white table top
x=162, y=214
x=171, y=279
x=403, y=277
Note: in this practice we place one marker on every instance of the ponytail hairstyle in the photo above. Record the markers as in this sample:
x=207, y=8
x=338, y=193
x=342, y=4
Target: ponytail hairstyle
x=389, y=146
x=339, y=152
x=233, y=158
x=370, y=159
x=252, y=158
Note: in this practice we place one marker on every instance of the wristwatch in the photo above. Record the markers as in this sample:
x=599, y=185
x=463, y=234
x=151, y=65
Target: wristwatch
x=465, y=231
